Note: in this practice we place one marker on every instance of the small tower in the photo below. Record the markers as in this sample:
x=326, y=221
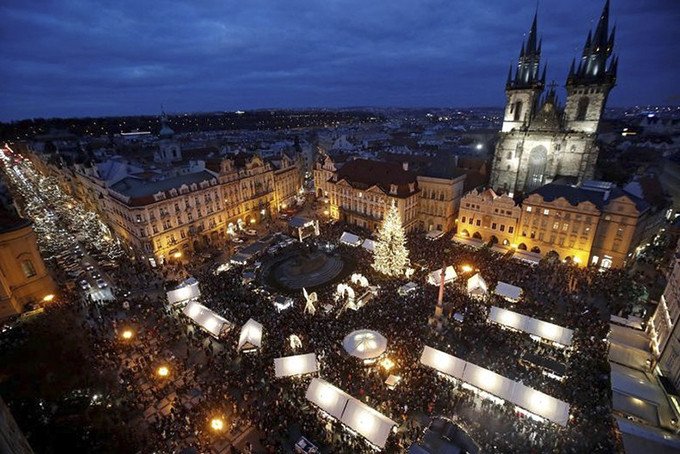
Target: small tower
x=524, y=89
x=168, y=148
x=589, y=83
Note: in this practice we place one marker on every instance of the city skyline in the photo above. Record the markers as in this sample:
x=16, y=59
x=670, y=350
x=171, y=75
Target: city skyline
x=132, y=58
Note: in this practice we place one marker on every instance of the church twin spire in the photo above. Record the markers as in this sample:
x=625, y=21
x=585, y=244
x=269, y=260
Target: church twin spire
x=592, y=68
x=527, y=72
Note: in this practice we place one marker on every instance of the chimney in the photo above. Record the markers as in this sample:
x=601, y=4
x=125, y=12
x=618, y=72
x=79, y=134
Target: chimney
x=405, y=165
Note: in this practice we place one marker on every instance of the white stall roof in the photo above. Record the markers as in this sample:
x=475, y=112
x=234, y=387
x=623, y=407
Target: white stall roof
x=450, y=275
x=507, y=291
x=370, y=424
x=545, y=330
x=443, y=362
x=350, y=239
x=365, y=344
x=530, y=399
x=327, y=397
x=295, y=365
x=356, y=415
x=251, y=335
x=472, y=242
x=206, y=318
x=185, y=291
x=407, y=288
x=476, y=285
x=368, y=244
x=532, y=258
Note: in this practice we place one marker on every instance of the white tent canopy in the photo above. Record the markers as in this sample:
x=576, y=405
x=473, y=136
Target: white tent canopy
x=545, y=330
x=206, y=318
x=365, y=344
x=350, y=239
x=407, y=288
x=368, y=244
x=476, y=285
x=353, y=413
x=185, y=291
x=450, y=275
x=533, y=258
x=251, y=336
x=507, y=291
x=523, y=396
x=295, y=365
x=472, y=242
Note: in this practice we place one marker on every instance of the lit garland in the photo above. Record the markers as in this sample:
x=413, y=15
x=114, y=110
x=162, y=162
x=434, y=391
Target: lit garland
x=390, y=255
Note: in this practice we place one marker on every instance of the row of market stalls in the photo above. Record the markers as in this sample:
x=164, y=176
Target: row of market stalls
x=359, y=417
x=546, y=331
x=353, y=240
x=476, y=285
x=527, y=399
x=529, y=257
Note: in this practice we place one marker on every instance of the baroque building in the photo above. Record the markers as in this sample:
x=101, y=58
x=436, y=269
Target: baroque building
x=540, y=140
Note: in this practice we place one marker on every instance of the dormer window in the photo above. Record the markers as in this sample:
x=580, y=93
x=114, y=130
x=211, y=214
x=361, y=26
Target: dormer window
x=411, y=187
x=393, y=189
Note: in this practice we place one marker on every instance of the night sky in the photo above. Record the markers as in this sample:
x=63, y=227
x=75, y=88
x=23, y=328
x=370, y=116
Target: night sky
x=63, y=58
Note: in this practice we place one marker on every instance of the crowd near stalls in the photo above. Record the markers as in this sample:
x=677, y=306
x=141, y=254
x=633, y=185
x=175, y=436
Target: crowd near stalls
x=176, y=376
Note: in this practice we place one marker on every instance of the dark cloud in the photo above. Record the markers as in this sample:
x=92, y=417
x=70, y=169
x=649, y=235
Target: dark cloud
x=96, y=57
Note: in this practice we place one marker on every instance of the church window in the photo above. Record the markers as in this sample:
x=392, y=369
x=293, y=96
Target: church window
x=28, y=268
x=518, y=110
x=582, y=108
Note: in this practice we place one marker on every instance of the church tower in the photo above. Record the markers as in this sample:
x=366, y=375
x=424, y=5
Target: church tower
x=541, y=142
x=524, y=89
x=588, y=85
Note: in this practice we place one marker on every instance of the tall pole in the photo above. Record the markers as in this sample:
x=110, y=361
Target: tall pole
x=439, y=309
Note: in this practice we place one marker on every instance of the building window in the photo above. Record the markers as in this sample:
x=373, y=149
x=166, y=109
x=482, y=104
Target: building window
x=619, y=232
x=511, y=229
x=28, y=268
x=556, y=225
x=493, y=226
x=528, y=209
x=479, y=222
x=502, y=227
x=463, y=219
x=586, y=230
x=546, y=212
x=565, y=227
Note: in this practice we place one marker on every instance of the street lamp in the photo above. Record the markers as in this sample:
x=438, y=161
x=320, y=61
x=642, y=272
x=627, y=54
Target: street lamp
x=177, y=255
x=466, y=268
x=163, y=371
x=127, y=334
x=48, y=298
x=217, y=424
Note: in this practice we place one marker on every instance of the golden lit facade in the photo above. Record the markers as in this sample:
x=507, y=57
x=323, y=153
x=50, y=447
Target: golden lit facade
x=587, y=226
x=24, y=278
x=488, y=217
x=439, y=202
x=167, y=218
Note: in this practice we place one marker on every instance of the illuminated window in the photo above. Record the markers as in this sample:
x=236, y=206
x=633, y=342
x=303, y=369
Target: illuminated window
x=546, y=212
x=27, y=268
x=528, y=209
x=556, y=225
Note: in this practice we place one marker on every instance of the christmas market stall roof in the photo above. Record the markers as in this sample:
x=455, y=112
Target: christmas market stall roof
x=350, y=239
x=367, y=422
x=206, y=318
x=544, y=330
x=530, y=399
x=251, y=336
x=507, y=291
x=368, y=244
x=532, y=258
x=476, y=285
x=365, y=344
x=185, y=291
x=295, y=365
x=472, y=242
x=434, y=277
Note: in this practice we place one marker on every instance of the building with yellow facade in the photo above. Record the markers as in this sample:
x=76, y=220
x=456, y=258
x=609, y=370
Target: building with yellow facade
x=594, y=224
x=359, y=191
x=23, y=276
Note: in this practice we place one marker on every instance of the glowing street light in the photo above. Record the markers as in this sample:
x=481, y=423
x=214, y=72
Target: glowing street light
x=177, y=255
x=163, y=371
x=48, y=298
x=466, y=268
x=217, y=424
x=127, y=334
x=387, y=364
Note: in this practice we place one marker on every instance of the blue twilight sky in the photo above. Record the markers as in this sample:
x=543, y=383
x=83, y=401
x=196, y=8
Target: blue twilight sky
x=117, y=57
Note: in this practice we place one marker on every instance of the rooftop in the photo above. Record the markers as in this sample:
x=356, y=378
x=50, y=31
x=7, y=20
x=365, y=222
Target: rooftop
x=141, y=191
x=366, y=173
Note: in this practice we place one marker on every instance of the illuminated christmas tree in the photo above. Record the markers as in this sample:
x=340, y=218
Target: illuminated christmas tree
x=390, y=255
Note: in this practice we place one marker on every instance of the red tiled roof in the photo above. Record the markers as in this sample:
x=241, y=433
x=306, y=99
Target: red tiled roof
x=364, y=173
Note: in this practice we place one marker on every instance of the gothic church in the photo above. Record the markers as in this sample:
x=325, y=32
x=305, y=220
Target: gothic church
x=541, y=140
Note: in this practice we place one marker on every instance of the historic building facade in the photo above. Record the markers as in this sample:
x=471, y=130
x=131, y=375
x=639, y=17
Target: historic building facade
x=596, y=224
x=24, y=278
x=539, y=139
